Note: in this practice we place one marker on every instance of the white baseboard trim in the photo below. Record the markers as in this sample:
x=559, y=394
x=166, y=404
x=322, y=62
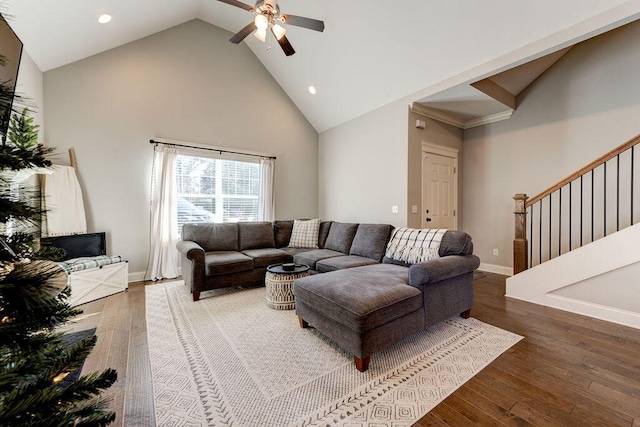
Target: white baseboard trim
x=597, y=311
x=602, y=312
x=136, y=276
x=498, y=269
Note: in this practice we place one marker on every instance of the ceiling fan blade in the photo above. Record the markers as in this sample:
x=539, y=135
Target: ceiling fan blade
x=285, y=45
x=301, y=21
x=243, y=33
x=239, y=4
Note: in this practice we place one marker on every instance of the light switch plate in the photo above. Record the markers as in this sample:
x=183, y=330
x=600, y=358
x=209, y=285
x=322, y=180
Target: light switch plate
x=414, y=208
x=394, y=209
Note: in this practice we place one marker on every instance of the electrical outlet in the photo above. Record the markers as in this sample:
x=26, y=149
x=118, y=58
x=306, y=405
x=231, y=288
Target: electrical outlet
x=495, y=252
x=394, y=209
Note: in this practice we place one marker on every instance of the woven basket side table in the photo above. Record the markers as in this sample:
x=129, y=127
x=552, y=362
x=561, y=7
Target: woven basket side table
x=279, y=284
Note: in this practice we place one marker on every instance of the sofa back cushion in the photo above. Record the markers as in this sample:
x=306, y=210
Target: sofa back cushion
x=456, y=243
x=341, y=236
x=323, y=233
x=256, y=235
x=212, y=236
x=371, y=241
x=282, y=233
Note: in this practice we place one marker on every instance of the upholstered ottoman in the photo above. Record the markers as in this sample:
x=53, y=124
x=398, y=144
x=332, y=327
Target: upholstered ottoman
x=363, y=309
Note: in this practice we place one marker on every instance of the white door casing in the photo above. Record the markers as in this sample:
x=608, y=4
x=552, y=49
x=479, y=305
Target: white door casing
x=439, y=186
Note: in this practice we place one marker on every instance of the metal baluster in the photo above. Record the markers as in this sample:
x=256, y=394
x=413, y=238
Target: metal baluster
x=531, y=238
x=560, y=222
x=618, y=192
x=570, y=205
x=604, y=204
x=540, y=237
x=592, y=194
x=550, y=203
x=581, y=206
x=632, y=167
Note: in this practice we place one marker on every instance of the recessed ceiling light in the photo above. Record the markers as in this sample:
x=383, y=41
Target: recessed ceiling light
x=312, y=90
x=103, y=19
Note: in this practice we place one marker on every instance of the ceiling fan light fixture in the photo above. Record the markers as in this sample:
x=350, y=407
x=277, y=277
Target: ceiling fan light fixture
x=278, y=31
x=261, y=34
x=261, y=22
x=269, y=18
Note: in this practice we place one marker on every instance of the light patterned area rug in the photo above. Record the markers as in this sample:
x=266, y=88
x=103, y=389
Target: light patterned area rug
x=229, y=360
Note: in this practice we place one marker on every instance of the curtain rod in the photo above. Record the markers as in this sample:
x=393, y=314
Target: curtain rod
x=151, y=141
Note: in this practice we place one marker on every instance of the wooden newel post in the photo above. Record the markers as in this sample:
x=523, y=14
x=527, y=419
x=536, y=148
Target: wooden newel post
x=520, y=244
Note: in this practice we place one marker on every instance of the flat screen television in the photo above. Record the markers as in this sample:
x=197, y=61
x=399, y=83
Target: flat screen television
x=10, y=54
x=79, y=245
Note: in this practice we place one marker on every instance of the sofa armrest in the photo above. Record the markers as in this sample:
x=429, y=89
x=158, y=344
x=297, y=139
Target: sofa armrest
x=191, y=250
x=443, y=268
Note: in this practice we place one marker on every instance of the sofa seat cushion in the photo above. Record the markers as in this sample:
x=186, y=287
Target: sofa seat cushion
x=342, y=262
x=224, y=262
x=361, y=298
x=295, y=251
x=311, y=257
x=267, y=256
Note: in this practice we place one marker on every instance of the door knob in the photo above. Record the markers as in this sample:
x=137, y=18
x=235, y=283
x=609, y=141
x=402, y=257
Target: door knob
x=428, y=219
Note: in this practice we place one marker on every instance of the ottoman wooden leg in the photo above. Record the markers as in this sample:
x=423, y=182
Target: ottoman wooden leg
x=303, y=323
x=465, y=314
x=362, y=364
x=196, y=296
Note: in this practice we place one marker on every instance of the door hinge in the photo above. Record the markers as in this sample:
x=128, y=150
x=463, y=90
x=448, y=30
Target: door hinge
x=455, y=169
x=454, y=212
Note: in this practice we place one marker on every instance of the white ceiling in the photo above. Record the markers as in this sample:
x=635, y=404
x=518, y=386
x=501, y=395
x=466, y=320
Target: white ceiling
x=372, y=52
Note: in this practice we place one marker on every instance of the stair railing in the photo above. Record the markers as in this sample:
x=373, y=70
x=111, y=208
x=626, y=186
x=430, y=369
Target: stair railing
x=591, y=203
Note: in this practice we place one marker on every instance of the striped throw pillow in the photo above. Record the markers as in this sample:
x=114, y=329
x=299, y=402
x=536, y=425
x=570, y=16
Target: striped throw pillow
x=413, y=245
x=305, y=233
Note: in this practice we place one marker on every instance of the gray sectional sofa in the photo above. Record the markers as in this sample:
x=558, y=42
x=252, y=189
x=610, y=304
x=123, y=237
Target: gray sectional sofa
x=361, y=300
x=232, y=254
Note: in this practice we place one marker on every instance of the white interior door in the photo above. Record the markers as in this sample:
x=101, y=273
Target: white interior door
x=439, y=195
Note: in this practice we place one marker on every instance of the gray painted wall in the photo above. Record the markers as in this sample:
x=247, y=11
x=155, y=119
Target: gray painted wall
x=581, y=108
x=187, y=83
x=363, y=168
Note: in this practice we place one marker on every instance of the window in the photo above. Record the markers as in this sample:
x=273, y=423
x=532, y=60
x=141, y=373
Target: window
x=216, y=190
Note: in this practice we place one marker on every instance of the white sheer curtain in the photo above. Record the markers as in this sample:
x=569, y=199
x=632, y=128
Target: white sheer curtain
x=163, y=255
x=267, y=200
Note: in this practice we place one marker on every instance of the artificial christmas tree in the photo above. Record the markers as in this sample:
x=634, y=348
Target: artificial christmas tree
x=34, y=359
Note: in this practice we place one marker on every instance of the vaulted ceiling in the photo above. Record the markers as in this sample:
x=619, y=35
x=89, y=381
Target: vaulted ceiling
x=371, y=53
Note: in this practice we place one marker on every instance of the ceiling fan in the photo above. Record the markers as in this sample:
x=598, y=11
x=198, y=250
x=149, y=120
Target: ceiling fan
x=268, y=17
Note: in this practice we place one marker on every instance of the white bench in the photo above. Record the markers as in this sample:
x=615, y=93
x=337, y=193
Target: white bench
x=92, y=278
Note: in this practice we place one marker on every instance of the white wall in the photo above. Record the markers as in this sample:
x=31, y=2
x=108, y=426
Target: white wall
x=187, y=83
x=585, y=105
x=29, y=85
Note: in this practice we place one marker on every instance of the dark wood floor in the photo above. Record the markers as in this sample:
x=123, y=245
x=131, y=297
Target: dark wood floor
x=569, y=370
